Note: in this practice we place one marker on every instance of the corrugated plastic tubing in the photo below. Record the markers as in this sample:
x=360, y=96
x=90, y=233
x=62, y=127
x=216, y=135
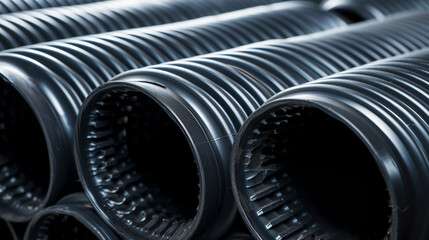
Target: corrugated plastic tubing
x=368, y=9
x=345, y=157
x=71, y=218
x=24, y=28
x=46, y=84
x=154, y=145
x=9, y=6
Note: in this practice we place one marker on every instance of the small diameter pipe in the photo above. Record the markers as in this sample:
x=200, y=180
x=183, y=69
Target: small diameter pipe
x=72, y=218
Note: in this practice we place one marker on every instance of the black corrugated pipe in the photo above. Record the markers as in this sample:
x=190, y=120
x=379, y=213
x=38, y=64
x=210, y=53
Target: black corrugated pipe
x=9, y=6
x=24, y=28
x=345, y=157
x=72, y=218
x=46, y=84
x=153, y=146
x=358, y=10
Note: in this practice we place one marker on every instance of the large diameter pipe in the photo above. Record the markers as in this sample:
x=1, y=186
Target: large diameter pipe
x=29, y=27
x=153, y=145
x=46, y=84
x=344, y=157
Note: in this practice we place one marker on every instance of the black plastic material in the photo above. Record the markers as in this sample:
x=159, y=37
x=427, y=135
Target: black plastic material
x=138, y=132
x=357, y=10
x=9, y=6
x=72, y=218
x=344, y=157
x=24, y=28
x=46, y=84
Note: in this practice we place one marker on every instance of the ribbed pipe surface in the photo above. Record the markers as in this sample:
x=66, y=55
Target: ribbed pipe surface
x=9, y=6
x=29, y=27
x=135, y=132
x=368, y=9
x=48, y=82
x=350, y=151
x=72, y=218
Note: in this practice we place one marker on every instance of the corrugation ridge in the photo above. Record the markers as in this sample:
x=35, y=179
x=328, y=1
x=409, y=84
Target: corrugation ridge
x=23, y=5
x=51, y=24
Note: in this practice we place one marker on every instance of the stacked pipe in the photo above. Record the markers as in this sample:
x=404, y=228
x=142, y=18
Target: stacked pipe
x=24, y=28
x=153, y=146
x=46, y=83
x=135, y=131
x=351, y=153
x=9, y=6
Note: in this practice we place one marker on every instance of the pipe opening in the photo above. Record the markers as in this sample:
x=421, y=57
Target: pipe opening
x=144, y=164
x=325, y=176
x=350, y=15
x=60, y=226
x=24, y=158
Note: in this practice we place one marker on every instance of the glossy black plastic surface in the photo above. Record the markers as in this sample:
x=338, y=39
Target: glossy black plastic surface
x=29, y=27
x=48, y=82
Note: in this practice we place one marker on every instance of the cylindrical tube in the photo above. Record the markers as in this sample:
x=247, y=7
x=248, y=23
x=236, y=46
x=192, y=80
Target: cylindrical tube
x=344, y=157
x=46, y=84
x=135, y=132
x=71, y=218
x=24, y=28
x=368, y=9
x=9, y=6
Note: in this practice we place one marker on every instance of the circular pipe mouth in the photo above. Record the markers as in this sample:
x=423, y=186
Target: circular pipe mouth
x=139, y=166
x=24, y=158
x=60, y=226
x=301, y=171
